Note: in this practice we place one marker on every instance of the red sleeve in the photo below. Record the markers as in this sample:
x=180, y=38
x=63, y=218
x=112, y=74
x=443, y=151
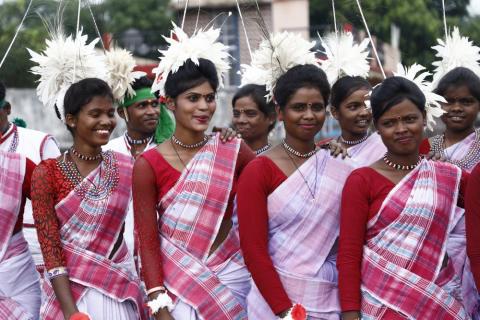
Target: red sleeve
x=257, y=181
x=425, y=147
x=245, y=155
x=43, y=202
x=145, y=195
x=472, y=216
x=463, y=189
x=30, y=167
x=354, y=216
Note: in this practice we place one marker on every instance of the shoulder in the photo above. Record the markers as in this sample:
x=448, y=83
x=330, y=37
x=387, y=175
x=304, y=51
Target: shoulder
x=425, y=146
x=45, y=169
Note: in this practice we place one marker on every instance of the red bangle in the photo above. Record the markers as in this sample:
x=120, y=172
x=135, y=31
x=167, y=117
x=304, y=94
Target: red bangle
x=79, y=316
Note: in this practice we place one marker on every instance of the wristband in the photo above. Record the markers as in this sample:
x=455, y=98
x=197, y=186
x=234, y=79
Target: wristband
x=163, y=300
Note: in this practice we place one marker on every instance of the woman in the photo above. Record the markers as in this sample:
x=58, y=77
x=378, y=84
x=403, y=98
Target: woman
x=347, y=105
x=395, y=221
x=460, y=143
x=183, y=200
x=253, y=116
x=19, y=281
x=285, y=197
x=80, y=201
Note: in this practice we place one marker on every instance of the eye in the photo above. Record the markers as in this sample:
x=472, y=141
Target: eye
x=193, y=98
x=299, y=107
x=387, y=123
x=251, y=113
x=209, y=98
x=466, y=101
x=317, y=107
x=236, y=114
x=411, y=119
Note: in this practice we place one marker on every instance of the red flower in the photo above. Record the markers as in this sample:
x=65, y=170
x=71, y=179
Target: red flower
x=79, y=316
x=162, y=100
x=298, y=312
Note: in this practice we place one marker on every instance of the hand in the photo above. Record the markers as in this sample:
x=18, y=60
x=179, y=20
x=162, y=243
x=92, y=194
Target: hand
x=436, y=156
x=163, y=314
x=351, y=315
x=226, y=134
x=79, y=316
x=336, y=148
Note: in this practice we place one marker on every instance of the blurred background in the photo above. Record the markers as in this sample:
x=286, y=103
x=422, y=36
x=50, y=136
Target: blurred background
x=404, y=31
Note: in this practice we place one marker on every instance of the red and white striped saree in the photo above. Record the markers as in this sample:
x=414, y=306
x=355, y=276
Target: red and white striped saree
x=91, y=218
x=402, y=261
x=190, y=216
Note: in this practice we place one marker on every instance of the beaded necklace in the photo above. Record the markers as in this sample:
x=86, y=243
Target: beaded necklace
x=14, y=131
x=263, y=149
x=132, y=141
x=468, y=161
x=397, y=166
x=353, y=142
x=190, y=146
x=290, y=149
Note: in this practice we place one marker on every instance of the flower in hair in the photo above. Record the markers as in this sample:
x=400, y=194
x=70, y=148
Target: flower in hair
x=418, y=74
x=455, y=51
x=279, y=53
x=253, y=75
x=203, y=44
x=344, y=56
x=120, y=74
x=65, y=61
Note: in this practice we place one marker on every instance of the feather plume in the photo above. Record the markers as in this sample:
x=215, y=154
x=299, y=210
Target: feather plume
x=418, y=75
x=344, y=56
x=253, y=75
x=279, y=53
x=120, y=74
x=455, y=51
x=203, y=44
x=64, y=61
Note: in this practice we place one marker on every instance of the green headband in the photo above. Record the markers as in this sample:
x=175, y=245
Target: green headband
x=140, y=95
x=3, y=103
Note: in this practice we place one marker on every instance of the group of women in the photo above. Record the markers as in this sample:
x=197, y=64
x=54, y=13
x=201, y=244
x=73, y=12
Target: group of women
x=242, y=229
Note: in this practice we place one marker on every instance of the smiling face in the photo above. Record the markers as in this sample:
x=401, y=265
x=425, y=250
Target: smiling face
x=462, y=109
x=249, y=120
x=194, y=108
x=304, y=114
x=142, y=116
x=352, y=115
x=94, y=122
x=401, y=128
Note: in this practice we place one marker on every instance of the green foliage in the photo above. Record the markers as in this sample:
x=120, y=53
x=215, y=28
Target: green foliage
x=420, y=22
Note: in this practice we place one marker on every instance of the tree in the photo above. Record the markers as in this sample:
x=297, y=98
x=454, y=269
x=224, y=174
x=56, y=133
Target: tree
x=420, y=21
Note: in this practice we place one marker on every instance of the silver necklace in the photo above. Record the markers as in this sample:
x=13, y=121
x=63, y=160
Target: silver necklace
x=353, y=142
x=190, y=146
x=132, y=141
x=298, y=153
x=468, y=161
x=263, y=149
x=397, y=166
x=312, y=192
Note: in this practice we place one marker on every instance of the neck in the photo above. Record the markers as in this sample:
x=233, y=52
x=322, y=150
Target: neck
x=4, y=128
x=85, y=149
x=301, y=146
x=189, y=136
x=404, y=160
x=352, y=136
x=138, y=135
x=452, y=137
x=258, y=143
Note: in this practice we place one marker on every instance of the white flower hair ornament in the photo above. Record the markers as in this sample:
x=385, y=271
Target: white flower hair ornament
x=252, y=75
x=344, y=56
x=455, y=51
x=280, y=53
x=120, y=66
x=203, y=44
x=418, y=74
x=66, y=60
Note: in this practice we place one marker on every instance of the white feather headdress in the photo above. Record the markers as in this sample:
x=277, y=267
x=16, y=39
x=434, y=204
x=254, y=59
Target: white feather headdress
x=455, y=51
x=202, y=44
x=120, y=66
x=418, y=74
x=344, y=56
x=253, y=75
x=278, y=54
x=65, y=60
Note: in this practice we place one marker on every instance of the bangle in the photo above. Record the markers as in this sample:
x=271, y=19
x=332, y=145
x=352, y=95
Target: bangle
x=79, y=316
x=155, y=289
x=297, y=312
x=56, y=272
x=163, y=300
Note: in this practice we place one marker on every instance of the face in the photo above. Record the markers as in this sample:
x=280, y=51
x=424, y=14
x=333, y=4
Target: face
x=352, y=114
x=304, y=114
x=401, y=128
x=194, y=108
x=4, y=113
x=142, y=116
x=248, y=120
x=94, y=123
x=462, y=109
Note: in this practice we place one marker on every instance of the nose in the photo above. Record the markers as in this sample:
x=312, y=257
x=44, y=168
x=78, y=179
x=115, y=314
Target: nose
x=400, y=127
x=308, y=114
x=242, y=118
x=364, y=111
x=152, y=110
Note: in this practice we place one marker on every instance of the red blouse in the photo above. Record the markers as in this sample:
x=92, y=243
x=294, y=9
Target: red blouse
x=472, y=216
x=49, y=187
x=29, y=167
x=425, y=147
x=363, y=195
x=260, y=178
x=153, y=177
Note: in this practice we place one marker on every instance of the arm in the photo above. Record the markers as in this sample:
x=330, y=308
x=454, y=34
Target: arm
x=145, y=215
x=472, y=219
x=47, y=225
x=353, y=221
x=253, y=190
x=245, y=155
x=27, y=181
